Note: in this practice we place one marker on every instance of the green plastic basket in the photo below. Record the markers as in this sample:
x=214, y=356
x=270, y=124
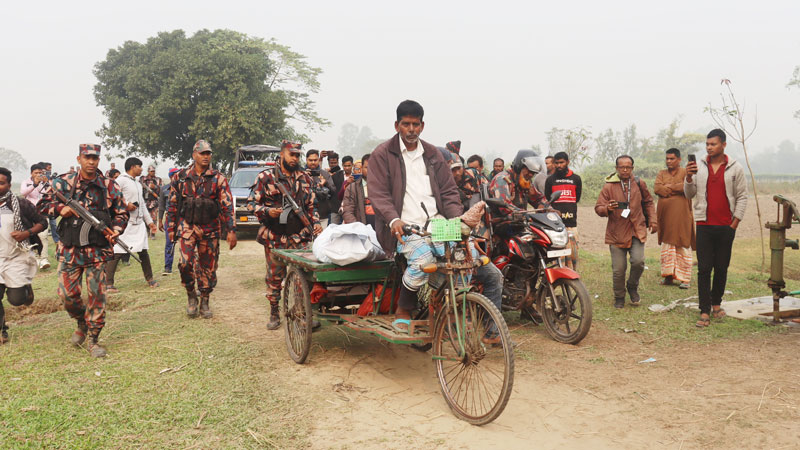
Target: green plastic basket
x=443, y=230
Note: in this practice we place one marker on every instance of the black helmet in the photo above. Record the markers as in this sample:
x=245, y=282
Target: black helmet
x=528, y=159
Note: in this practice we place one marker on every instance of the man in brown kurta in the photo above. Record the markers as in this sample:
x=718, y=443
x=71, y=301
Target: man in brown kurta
x=676, y=230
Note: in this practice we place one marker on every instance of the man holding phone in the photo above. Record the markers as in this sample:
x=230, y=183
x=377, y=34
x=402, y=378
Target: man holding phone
x=627, y=203
x=718, y=186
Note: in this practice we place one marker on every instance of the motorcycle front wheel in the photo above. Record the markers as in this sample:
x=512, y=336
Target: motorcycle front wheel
x=571, y=324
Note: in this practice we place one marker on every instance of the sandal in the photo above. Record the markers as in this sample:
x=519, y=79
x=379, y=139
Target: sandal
x=666, y=281
x=703, y=322
x=403, y=330
x=684, y=286
x=719, y=313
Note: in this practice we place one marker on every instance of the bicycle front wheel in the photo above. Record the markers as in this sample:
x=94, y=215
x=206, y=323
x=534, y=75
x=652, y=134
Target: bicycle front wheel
x=476, y=366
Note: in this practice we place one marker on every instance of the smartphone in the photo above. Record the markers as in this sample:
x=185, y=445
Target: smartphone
x=692, y=158
x=622, y=205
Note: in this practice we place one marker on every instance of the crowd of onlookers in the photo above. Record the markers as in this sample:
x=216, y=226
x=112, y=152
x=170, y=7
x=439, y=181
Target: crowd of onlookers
x=696, y=206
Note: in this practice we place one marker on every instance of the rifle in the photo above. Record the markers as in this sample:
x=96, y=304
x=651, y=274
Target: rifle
x=295, y=207
x=89, y=221
x=147, y=188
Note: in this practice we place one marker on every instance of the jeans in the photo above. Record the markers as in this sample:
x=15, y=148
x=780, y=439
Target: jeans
x=492, y=280
x=169, y=253
x=53, y=231
x=714, y=245
x=619, y=265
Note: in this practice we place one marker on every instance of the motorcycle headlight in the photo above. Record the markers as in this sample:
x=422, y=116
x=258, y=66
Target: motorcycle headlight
x=558, y=238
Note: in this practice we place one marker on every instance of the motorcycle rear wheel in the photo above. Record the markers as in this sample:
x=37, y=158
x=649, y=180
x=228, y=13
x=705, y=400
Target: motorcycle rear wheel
x=572, y=323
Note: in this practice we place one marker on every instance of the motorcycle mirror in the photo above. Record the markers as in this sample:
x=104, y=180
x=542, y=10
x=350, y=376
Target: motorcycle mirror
x=555, y=196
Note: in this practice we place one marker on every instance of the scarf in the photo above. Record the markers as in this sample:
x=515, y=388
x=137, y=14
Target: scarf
x=10, y=199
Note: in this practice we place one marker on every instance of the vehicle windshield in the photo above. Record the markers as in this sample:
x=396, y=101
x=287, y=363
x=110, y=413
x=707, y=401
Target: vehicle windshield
x=244, y=178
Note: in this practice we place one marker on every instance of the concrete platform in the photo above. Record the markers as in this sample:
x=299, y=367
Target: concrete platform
x=754, y=308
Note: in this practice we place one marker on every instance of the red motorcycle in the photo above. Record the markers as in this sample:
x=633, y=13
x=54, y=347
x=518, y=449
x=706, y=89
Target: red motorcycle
x=527, y=250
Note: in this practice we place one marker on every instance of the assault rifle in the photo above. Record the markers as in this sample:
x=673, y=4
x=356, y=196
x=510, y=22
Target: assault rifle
x=147, y=188
x=295, y=207
x=89, y=221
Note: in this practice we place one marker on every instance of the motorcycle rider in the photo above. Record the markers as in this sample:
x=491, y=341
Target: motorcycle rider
x=514, y=185
x=515, y=188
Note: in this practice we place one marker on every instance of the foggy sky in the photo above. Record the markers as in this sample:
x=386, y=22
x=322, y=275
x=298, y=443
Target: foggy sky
x=495, y=75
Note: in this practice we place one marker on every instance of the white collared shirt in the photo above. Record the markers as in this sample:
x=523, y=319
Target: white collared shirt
x=418, y=187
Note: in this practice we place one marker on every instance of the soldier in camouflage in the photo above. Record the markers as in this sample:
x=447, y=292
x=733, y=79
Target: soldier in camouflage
x=199, y=210
x=514, y=185
x=267, y=202
x=152, y=185
x=103, y=198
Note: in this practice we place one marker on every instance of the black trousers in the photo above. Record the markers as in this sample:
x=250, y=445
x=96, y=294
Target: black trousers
x=111, y=267
x=714, y=245
x=17, y=297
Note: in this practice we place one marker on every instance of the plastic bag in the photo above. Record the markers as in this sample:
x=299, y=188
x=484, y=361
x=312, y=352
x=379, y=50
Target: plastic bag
x=347, y=244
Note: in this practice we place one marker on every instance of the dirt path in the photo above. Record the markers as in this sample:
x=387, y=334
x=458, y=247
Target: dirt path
x=364, y=393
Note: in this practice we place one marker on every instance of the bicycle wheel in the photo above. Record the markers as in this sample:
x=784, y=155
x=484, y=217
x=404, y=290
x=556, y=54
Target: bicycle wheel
x=297, y=315
x=572, y=323
x=475, y=383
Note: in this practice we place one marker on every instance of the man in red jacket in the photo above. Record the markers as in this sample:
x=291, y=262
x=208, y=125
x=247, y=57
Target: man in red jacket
x=405, y=157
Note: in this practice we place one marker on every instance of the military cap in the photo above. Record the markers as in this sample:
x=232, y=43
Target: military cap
x=201, y=146
x=293, y=147
x=89, y=149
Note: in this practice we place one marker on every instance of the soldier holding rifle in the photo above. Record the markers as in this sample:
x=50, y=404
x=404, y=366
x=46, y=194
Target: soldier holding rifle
x=283, y=201
x=96, y=204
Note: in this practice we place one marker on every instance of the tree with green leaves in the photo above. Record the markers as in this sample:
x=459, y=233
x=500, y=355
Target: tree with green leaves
x=161, y=96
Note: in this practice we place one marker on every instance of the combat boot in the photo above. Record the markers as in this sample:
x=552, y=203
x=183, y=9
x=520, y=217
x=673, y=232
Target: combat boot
x=80, y=334
x=274, y=317
x=205, y=312
x=191, y=308
x=95, y=349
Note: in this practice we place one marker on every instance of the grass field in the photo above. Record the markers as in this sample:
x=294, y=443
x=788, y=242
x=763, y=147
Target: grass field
x=170, y=382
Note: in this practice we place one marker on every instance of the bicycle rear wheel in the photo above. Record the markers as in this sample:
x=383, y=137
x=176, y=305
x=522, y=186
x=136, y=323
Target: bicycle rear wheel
x=477, y=382
x=297, y=315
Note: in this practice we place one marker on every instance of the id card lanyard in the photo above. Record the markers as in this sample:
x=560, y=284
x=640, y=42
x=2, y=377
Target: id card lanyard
x=627, y=211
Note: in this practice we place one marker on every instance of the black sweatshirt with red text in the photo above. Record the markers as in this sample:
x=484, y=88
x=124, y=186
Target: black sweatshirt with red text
x=570, y=186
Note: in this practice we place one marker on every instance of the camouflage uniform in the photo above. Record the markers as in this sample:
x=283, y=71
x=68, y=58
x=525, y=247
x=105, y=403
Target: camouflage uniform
x=74, y=261
x=504, y=186
x=151, y=199
x=199, y=244
x=264, y=196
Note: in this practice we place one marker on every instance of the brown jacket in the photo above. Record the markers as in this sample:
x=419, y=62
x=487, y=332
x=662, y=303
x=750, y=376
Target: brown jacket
x=354, y=205
x=387, y=187
x=619, y=231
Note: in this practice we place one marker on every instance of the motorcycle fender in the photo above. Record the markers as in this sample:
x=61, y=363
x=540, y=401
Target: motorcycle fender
x=557, y=273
